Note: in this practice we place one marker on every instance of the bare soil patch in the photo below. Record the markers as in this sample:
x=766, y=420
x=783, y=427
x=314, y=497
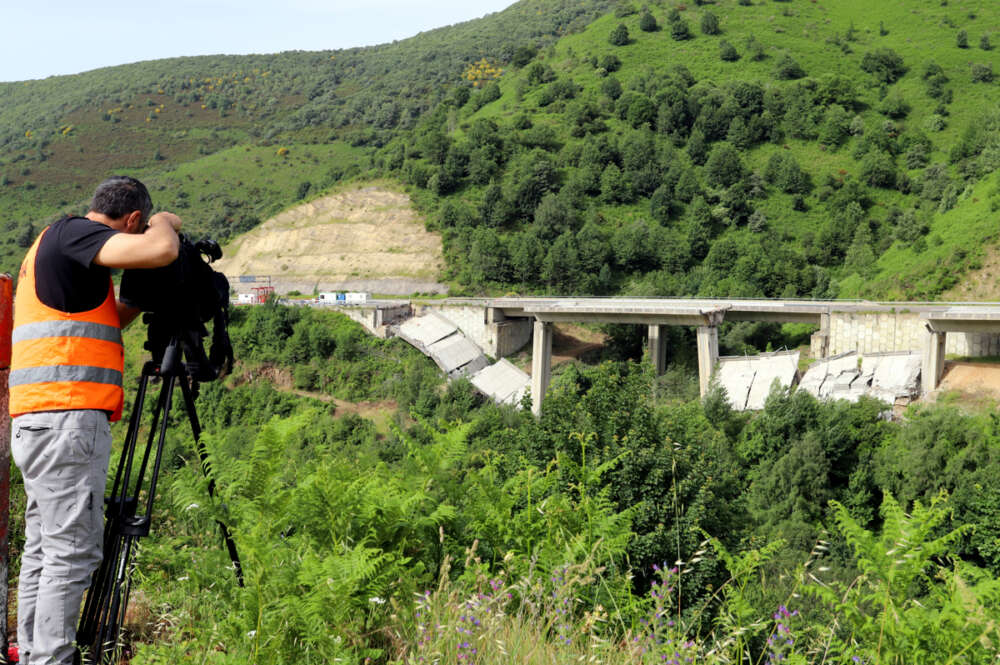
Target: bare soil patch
x=569, y=342
x=367, y=238
x=973, y=383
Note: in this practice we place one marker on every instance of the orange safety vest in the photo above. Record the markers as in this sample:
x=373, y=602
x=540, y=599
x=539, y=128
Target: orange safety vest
x=62, y=360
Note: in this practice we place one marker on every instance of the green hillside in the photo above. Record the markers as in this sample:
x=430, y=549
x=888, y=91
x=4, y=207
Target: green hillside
x=727, y=148
x=161, y=119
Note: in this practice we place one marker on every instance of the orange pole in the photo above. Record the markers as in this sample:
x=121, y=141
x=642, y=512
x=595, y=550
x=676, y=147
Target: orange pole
x=6, y=325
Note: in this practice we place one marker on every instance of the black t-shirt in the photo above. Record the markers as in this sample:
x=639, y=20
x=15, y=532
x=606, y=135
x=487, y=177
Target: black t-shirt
x=66, y=278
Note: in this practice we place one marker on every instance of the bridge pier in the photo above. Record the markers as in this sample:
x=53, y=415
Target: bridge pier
x=933, y=362
x=708, y=355
x=541, y=364
x=658, y=347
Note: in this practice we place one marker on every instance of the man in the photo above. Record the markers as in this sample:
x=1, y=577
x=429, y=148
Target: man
x=65, y=387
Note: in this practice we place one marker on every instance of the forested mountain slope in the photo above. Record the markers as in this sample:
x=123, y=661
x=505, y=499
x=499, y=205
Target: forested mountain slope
x=231, y=140
x=727, y=149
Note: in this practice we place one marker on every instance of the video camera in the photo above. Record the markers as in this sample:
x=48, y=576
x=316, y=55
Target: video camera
x=178, y=300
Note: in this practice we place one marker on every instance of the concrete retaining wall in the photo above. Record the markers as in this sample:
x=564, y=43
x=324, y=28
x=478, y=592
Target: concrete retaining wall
x=376, y=318
x=883, y=332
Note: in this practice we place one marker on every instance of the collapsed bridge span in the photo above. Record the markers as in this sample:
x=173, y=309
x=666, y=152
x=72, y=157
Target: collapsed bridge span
x=502, y=326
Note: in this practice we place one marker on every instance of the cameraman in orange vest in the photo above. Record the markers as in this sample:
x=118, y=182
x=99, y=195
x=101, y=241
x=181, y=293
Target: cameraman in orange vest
x=65, y=389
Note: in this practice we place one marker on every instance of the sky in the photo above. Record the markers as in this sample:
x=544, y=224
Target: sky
x=46, y=38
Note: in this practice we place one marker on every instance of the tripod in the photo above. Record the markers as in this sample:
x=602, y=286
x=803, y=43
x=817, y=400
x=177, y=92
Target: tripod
x=104, y=611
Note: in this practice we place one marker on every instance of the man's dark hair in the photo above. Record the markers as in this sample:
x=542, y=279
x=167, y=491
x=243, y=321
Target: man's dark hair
x=119, y=195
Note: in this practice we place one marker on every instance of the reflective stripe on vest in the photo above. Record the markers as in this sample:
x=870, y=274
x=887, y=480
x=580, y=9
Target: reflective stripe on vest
x=66, y=329
x=63, y=360
x=20, y=377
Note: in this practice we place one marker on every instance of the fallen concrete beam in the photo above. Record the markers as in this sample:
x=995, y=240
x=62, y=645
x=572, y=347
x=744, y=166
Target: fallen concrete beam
x=502, y=382
x=422, y=331
x=457, y=356
x=781, y=367
x=748, y=380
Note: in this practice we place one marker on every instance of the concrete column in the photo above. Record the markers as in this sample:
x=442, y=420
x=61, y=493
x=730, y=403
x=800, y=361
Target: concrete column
x=658, y=347
x=708, y=355
x=933, y=362
x=541, y=364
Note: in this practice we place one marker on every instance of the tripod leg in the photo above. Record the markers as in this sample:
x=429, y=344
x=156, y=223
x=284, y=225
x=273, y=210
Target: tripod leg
x=104, y=610
x=97, y=595
x=206, y=468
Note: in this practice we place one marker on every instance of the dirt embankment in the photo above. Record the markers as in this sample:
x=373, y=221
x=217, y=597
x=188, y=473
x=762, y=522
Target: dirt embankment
x=367, y=238
x=969, y=383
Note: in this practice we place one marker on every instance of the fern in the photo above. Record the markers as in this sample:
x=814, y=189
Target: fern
x=906, y=607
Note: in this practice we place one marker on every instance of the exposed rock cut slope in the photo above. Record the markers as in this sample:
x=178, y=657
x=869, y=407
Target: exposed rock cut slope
x=366, y=238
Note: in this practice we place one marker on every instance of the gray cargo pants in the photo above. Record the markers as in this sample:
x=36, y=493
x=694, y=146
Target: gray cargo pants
x=63, y=457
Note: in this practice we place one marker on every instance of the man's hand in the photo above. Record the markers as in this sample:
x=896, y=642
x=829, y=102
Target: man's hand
x=169, y=217
x=153, y=247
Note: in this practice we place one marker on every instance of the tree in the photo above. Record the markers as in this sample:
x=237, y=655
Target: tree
x=611, y=87
x=614, y=187
x=553, y=217
x=755, y=49
x=836, y=126
x=611, y=63
x=740, y=134
x=526, y=256
x=984, y=43
x=884, y=64
x=982, y=73
x=647, y=23
x=641, y=111
x=894, y=106
x=860, y=257
x=728, y=52
x=561, y=266
x=634, y=246
x=701, y=228
x=593, y=247
x=679, y=30
x=487, y=258
x=697, y=147
x=878, y=169
x=962, y=39
x=687, y=186
x=26, y=236
x=710, y=24
x=724, y=166
x=661, y=204
x=619, y=36
x=523, y=55
x=788, y=69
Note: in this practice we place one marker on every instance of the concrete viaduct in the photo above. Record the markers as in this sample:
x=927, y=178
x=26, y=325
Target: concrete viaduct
x=501, y=326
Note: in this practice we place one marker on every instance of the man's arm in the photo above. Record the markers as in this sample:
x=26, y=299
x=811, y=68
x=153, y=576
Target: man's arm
x=157, y=246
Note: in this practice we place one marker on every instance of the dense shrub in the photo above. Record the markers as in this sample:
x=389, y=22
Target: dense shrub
x=619, y=36
x=884, y=64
